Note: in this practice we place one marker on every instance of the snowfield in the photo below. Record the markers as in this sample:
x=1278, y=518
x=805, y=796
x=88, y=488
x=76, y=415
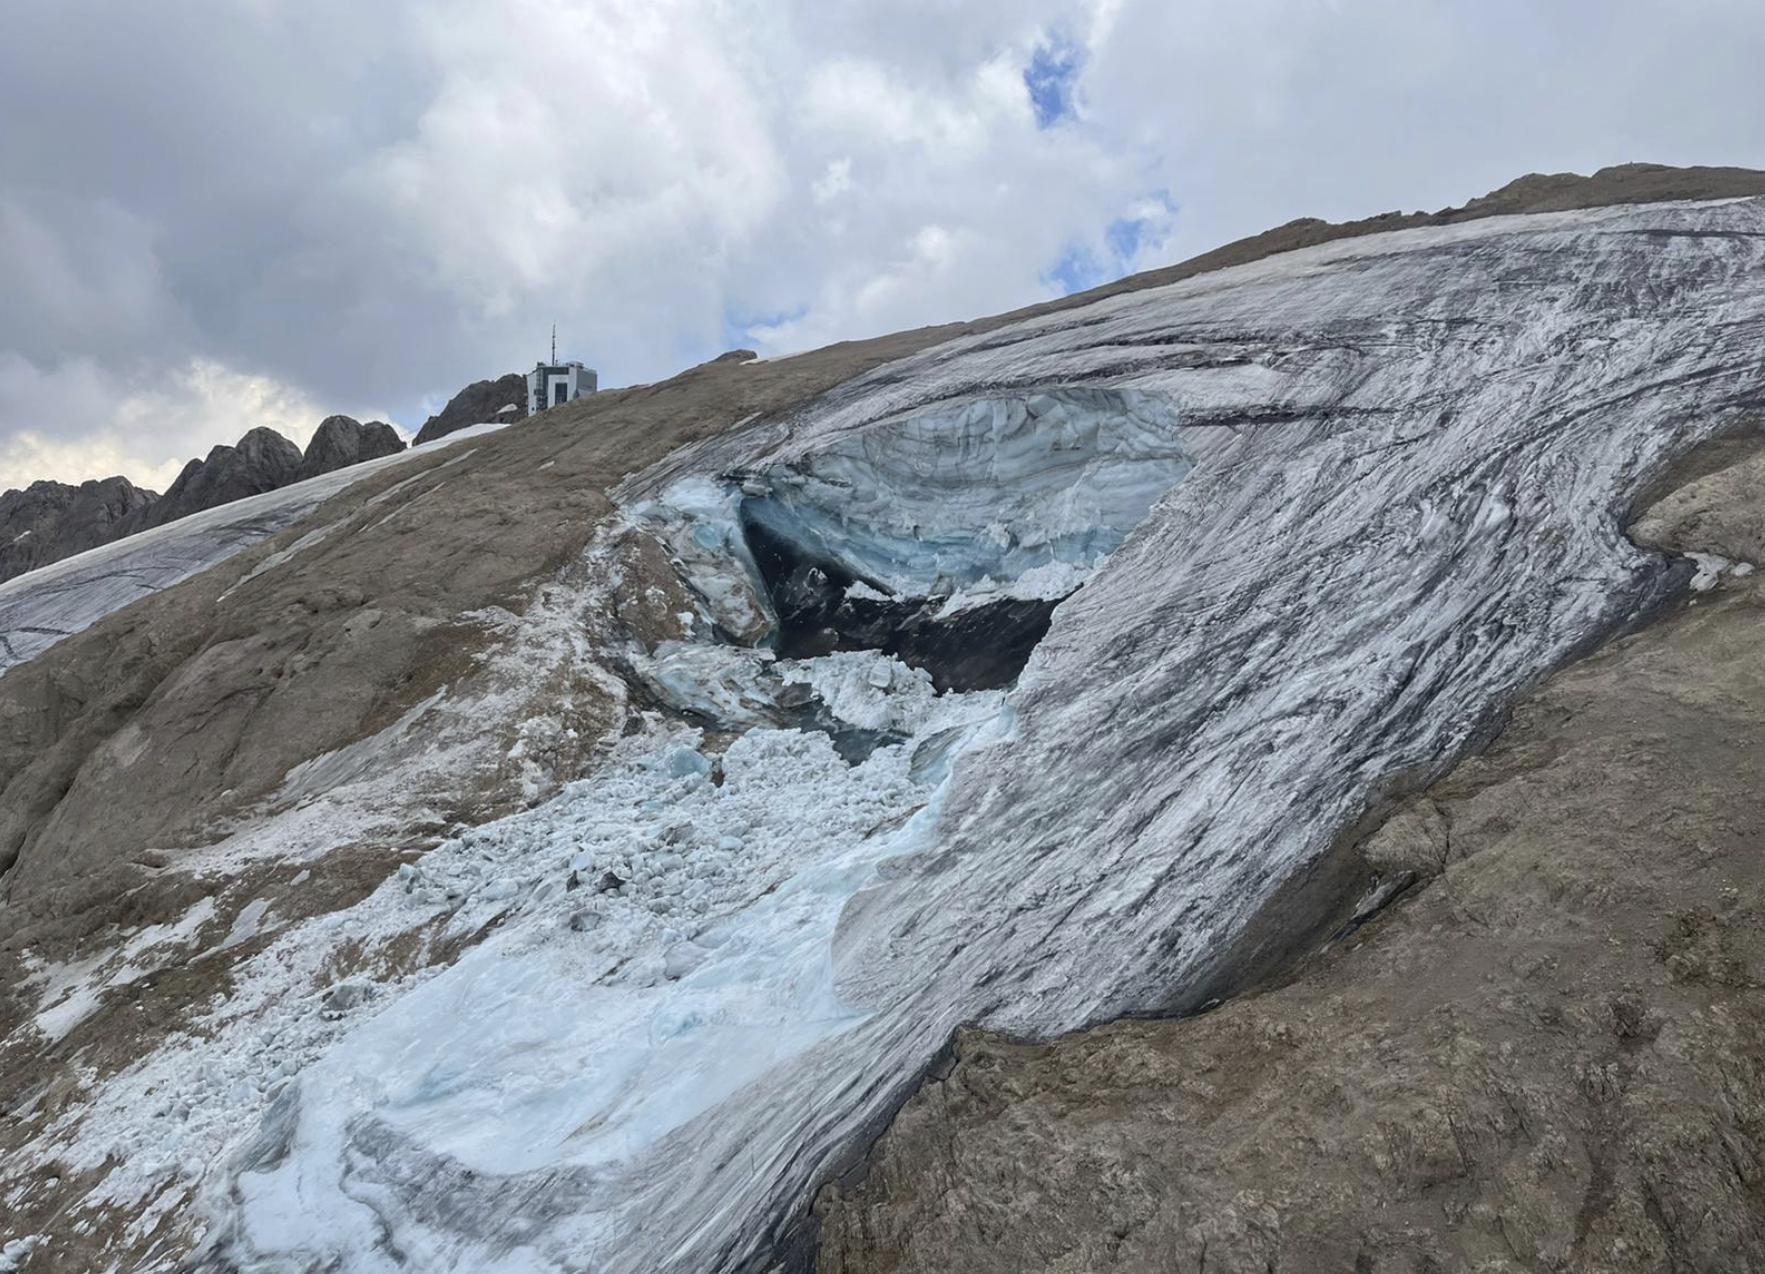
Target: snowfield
x=1323, y=513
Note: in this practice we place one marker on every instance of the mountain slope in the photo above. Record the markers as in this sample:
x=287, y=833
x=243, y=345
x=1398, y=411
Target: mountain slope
x=1546, y=1055
x=1329, y=509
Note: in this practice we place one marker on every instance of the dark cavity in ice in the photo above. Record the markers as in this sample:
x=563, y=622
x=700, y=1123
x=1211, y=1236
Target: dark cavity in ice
x=980, y=648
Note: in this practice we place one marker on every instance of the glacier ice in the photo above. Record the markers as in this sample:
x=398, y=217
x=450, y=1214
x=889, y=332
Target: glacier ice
x=991, y=489
x=1402, y=458
x=599, y=1021
x=990, y=498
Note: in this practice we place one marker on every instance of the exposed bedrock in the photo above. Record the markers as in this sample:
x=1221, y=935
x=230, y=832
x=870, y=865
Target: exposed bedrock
x=262, y=460
x=1549, y=1054
x=982, y=646
x=341, y=441
x=504, y=398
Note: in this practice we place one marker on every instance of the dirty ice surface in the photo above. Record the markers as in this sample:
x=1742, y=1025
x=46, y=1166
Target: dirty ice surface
x=660, y=936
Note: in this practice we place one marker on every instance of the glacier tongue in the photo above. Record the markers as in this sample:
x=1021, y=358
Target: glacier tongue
x=1409, y=450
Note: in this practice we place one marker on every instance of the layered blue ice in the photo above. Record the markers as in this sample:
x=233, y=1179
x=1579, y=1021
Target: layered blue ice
x=991, y=489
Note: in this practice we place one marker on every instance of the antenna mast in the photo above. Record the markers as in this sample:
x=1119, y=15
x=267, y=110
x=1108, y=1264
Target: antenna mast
x=554, y=344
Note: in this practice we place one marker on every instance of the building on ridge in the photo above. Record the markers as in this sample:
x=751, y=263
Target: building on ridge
x=553, y=384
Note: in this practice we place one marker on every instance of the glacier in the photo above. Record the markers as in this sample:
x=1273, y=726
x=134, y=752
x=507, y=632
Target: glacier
x=1323, y=515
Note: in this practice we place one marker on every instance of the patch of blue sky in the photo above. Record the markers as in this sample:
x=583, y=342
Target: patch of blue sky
x=1118, y=249
x=740, y=326
x=1052, y=78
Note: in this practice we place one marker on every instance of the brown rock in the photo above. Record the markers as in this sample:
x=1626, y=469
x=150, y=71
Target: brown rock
x=340, y=442
x=48, y=521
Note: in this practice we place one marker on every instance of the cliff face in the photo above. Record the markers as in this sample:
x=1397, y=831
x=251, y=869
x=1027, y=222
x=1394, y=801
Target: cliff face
x=1549, y=1053
x=481, y=402
x=444, y=868
x=48, y=521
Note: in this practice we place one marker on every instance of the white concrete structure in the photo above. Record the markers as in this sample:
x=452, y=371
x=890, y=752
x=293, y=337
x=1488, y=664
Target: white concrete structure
x=554, y=383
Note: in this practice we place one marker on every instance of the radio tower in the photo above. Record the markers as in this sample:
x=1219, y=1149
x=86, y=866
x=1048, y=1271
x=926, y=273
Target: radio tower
x=554, y=344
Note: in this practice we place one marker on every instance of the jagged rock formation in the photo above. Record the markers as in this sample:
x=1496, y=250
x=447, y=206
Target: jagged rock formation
x=481, y=402
x=1548, y=1054
x=262, y=460
x=340, y=441
x=480, y=885
x=48, y=521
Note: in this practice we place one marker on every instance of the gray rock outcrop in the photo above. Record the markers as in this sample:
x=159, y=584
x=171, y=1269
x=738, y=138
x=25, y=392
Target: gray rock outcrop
x=262, y=460
x=341, y=441
x=48, y=521
x=476, y=404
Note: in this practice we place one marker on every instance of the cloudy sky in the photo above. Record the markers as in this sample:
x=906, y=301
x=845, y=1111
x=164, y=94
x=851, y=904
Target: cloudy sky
x=216, y=214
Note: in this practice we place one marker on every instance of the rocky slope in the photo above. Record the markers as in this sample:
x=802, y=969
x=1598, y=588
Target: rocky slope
x=48, y=521
x=448, y=880
x=1549, y=1053
x=481, y=401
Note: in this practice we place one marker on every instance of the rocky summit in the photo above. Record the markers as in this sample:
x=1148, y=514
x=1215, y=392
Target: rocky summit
x=503, y=399
x=47, y=521
x=340, y=441
x=1253, y=767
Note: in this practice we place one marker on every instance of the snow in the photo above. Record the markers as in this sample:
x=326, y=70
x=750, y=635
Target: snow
x=15, y=1252
x=70, y=993
x=1710, y=567
x=72, y=1009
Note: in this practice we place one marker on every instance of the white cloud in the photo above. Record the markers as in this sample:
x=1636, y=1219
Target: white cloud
x=835, y=180
x=378, y=203
x=78, y=421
